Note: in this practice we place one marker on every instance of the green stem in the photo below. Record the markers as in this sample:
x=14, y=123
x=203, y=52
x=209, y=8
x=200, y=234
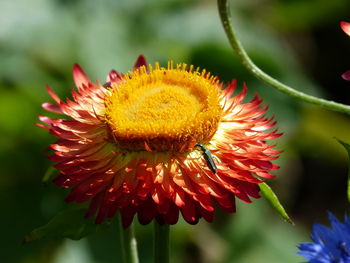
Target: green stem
x=128, y=243
x=121, y=238
x=161, y=243
x=257, y=72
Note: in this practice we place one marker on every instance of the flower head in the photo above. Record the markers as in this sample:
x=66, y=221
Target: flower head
x=159, y=141
x=330, y=245
x=345, y=26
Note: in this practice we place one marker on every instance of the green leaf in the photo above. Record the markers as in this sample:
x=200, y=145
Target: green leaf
x=347, y=148
x=272, y=198
x=49, y=174
x=69, y=223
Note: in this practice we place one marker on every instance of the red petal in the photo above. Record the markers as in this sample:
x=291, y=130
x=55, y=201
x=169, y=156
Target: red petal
x=128, y=215
x=146, y=212
x=52, y=94
x=141, y=61
x=102, y=214
x=172, y=216
x=346, y=27
x=346, y=75
x=79, y=76
x=94, y=205
x=189, y=211
x=207, y=215
x=51, y=107
x=113, y=76
x=42, y=126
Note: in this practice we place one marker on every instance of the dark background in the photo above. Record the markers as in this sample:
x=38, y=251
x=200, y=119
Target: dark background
x=297, y=41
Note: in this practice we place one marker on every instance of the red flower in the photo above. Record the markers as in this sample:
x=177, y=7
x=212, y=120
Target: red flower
x=159, y=141
x=346, y=28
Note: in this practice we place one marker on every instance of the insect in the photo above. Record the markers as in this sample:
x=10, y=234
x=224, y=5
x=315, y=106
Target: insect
x=208, y=157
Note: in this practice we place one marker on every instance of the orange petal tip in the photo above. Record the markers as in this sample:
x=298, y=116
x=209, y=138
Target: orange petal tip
x=79, y=76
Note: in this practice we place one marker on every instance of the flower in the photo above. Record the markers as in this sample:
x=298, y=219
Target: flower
x=159, y=141
x=345, y=26
x=331, y=245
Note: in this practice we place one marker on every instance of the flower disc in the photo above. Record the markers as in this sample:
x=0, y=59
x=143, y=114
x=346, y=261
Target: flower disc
x=165, y=109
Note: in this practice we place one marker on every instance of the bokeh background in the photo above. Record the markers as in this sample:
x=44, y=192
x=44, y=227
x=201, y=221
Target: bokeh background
x=296, y=41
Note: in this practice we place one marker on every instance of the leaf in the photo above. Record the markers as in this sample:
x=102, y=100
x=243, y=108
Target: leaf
x=272, y=198
x=347, y=148
x=69, y=223
x=49, y=174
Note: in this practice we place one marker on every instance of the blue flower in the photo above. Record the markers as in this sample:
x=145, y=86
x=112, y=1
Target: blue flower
x=330, y=245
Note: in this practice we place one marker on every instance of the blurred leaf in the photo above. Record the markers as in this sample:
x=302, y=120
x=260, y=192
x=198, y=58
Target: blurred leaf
x=69, y=223
x=49, y=174
x=318, y=127
x=311, y=13
x=272, y=198
x=347, y=148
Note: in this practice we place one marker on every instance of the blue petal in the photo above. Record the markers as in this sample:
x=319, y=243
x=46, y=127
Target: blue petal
x=330, y=245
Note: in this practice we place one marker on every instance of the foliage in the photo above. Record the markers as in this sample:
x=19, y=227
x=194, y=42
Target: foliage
x=69, y=223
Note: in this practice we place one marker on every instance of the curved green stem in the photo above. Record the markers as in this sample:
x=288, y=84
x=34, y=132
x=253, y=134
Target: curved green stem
x=161, y=243
x=128, y=243
x=257, y=72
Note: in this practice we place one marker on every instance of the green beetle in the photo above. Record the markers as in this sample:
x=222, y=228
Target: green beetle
x=208, y=157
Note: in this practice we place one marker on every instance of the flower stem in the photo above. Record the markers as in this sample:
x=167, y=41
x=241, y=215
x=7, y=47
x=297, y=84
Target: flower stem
x=257, y=72
x=121, y=238
x=128, y=243
x=161, y=243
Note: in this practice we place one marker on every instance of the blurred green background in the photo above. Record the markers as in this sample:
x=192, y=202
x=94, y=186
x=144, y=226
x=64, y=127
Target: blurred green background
x=297, y=41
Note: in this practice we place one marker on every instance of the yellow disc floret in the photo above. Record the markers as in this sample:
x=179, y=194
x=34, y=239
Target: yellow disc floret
x=163, y=109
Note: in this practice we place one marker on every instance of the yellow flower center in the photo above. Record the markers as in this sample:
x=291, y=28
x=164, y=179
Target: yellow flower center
x=163, y=109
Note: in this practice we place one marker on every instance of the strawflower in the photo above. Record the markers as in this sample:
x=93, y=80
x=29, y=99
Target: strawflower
x=330, y=245
x=345, y=26
x=158, y=141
